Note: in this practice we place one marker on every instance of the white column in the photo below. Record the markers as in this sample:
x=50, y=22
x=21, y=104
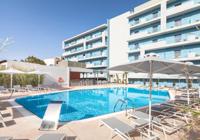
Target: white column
x=163, y=15
x=142, y=53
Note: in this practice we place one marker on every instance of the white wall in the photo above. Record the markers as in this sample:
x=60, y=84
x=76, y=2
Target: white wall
x=118, y=45
x=50, y=61
x=50, y=79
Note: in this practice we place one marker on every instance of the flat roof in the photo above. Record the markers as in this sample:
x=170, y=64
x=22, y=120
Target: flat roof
x=87, y=32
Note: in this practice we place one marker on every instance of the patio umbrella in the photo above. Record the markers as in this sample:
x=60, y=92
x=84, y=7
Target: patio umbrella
x=11, y=71
x=39, y=72
x=153, y=64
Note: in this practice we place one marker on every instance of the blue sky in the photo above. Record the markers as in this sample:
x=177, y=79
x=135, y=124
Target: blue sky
x=40, y=26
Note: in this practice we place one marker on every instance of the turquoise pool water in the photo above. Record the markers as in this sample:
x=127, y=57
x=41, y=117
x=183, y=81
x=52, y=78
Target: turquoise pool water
x=87, y=103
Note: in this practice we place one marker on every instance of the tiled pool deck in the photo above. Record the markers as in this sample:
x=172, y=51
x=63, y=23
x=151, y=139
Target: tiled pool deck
x=22, y=128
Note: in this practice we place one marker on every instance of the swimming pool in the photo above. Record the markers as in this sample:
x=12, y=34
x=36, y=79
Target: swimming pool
x=87, y=103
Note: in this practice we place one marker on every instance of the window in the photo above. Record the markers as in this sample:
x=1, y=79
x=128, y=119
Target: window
x=177, y=38
x=178, y=22
x=101, y=72
x=177, y=4
x=155, y=29
x=75, y=56
x=91, y=54
x=101, y=52
x=136, y=21
x=90, y=62
x=75, y=49
x=101, y=62
x=83, y=54
x=136, y=32
x=177, y=54
x=90, y=36
x=154, y=41
x=155, y=15
x=136, y=57
x=90, y=73
x=137, y=46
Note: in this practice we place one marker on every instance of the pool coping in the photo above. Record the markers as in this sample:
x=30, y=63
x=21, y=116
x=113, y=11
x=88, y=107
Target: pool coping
x=34, y=118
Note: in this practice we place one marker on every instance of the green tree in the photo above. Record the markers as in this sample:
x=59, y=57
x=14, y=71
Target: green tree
x=126, y=73
x=117, y=78
x=32, y=59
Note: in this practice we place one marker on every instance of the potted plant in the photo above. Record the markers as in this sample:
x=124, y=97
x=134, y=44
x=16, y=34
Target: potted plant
x=144, y=83
x=133, y=81
x=115, y=80
x=174, y=84
x=157, y=83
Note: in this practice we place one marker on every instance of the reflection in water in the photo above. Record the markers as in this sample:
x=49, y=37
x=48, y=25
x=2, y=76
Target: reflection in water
x=87, y=103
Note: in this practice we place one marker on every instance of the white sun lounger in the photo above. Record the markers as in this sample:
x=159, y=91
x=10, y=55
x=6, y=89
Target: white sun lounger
x=61, y=136
x=1, y=120
x=122, y=129
x=6, y=138
x=40, y=86
x=169, y=113
x=2, y=89
x=162, y=86
x=30, y=88
x=18, y=88
x=159, y=123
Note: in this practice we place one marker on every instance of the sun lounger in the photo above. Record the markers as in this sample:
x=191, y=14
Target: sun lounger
x=170, y=113
x=123, y=129
x=190, y=95
x=159, y=123
x=40, y=86
x=61, y=136
x=18, y=88
x=2, y=89
x=165, y=105
x=155, y=86
x=30, y=88
x=182, y=101
x=1, y=120
x=162, y=86
x=6, y=138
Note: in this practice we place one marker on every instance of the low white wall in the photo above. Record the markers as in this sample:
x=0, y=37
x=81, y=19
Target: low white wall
x=50, y=79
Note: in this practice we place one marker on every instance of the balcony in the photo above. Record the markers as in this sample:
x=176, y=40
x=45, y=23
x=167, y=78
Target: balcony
x=153, y=45
x=93, y=57
x=77, y=43
x=94, y=47
x=96, y=65
x=161, y=45
x=145, y=23
x=138, y=35
x=99, y=36
x=182, y=9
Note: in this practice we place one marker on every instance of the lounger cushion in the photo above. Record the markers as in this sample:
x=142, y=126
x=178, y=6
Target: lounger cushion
x=6, y=138
x=172, y=105
x=141, y=115
x=118, y=124
x=52, y=137
x=162, y=110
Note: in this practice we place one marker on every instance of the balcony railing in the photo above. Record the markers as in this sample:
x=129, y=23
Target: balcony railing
x=153, y=45
x=180, y=8
x=96, y=64
x=138, y=35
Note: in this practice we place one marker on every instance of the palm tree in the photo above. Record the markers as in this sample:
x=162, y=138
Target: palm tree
x=126, y=73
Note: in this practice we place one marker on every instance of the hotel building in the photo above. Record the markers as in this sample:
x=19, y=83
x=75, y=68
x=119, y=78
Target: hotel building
x=165, y=27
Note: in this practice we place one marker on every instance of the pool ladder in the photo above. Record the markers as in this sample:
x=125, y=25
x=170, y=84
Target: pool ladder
x=123, y=102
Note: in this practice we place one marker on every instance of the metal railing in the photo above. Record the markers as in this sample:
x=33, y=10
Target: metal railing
x=130, y=101
x=123, y=102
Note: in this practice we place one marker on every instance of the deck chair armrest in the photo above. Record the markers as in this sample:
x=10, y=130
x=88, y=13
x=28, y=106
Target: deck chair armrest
x=121, y=134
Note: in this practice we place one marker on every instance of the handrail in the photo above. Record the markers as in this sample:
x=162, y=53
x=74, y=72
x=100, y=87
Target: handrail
x=130, y=101
x=123, y=102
